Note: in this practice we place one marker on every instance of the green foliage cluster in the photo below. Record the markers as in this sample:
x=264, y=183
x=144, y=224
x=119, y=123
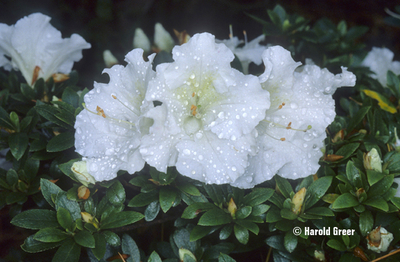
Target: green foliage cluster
x=206, y=222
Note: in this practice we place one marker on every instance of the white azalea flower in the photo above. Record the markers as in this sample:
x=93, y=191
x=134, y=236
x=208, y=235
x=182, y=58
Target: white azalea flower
x=108, y=130
x=380, y=61
x=205, y=125
x=292, y=133
x=37, y=49
x=250, y=52
x=379, y=240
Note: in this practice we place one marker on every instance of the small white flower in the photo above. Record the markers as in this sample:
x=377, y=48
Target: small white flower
x=205, y=125
x=162, y=39
x=36, y=48
x=380, y=61
x=250, y=52
x=292, y=133
x=108, y=130
x=372, y=161
x=140, y=40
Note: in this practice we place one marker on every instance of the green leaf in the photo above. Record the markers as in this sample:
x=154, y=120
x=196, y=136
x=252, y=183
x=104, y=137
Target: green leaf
x=358, y=117
x=321, y=211
x=380, y=187
x=243, y=212
x=290, y=241
x=15, y=197
x=214, y=217
x=273, y=215
x=61, y=142
x=167, y=196
x=194, y=209
x=72, y=206
x=35, y=219
x=258, y=196
x=129, y=247
x=189, y=189
x=396, y=201
x=284, y=186
x=49, y=235
x=120, y=219
x=288, y=214
x=33, y=246
x=225, y=232
x=64, y=218
x=353, y=174
x=100, y=246
x=249, y=225
x=68, y=252
x=85, y=239
x=241, y=234
x=347, y=150
x=12, y=177
x=378, y=203
x=345, y=200
x=5, y=120
x=225, y=258
x=116, y=193
x=27, y=91
x=259, y=209
x=112, y=238
x=374, y=177
x=49, y=112
x=317, y=190
x=151, y=211
x=143, y=199
x=393, y=83
x=48, y=188
x=154, y=257
x=336, y=244
x=199, y=232
x=18, y=143
x=366, y=222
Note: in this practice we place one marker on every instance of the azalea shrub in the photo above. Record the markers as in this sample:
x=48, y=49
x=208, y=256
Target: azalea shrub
x=199, y=149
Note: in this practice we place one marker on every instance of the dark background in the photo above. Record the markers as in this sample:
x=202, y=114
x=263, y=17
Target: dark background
x=108, y=24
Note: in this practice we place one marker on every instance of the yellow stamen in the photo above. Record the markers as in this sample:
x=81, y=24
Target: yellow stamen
x=193, y=94
x=283, y=139
x=100, y=112
x=193, y=109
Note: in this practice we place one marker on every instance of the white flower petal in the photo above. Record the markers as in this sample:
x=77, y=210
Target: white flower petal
x=380, y=61
x=141, y=40
x=298, y=100
x=110, y=139
x=33, y=42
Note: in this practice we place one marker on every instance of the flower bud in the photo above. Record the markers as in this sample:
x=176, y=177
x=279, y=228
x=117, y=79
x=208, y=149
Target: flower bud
x=372, y=161
x=58, y=77
x=319, y=255
x=162, y=39
x=83, y=192
x=80, y=171
x=379, y=240
x=232, y=207
x=109, y=58
x=298, y=200
x=183, y=252
x=88, y=218
x=140, y=40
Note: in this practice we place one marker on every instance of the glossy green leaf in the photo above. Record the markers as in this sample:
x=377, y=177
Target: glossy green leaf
x=358, y=117
x=36, y=219
x=345, y=200
x=249, y=225
x=72, y=206
x=317, y=190
x=112, y=238
x=378, y=203
x=64, y=218
x=214, y=217
x=69, y=251
x=48, y=188
x=353, y=175
x=61, y=142
x=116, y=193
x=381, y=186
x=154, y=257
x=366, y=222
x=49, y=235
x=18, y=143
x=167, y=196
x=100, y=246
x=320, y=211
x=120, y=219
x=258, y=196
x=241, y=234
x=290, y=241
x=130, y=248
x=33, y=246
x=199, y=232
x=336, y=244
x=243, y=212
x=151, y=211
x=143, y=199
x=189, y=189
x=284, y=186
x=347, y=150
x=225, y=232
x=85, y=239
